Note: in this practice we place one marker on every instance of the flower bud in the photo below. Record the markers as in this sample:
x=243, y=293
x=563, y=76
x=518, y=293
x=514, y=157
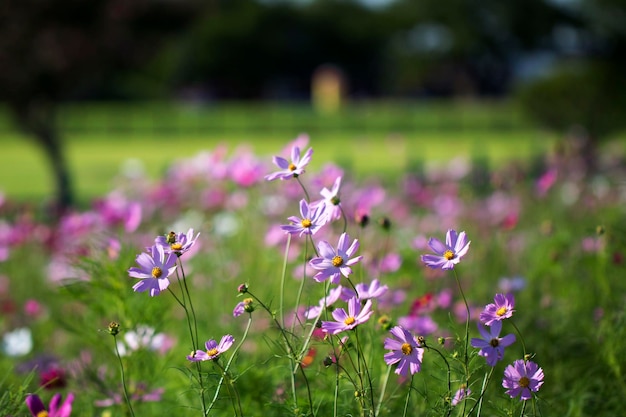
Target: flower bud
x=114, y=328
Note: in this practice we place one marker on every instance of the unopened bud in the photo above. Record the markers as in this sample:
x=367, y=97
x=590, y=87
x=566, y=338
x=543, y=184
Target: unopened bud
x=114, y=328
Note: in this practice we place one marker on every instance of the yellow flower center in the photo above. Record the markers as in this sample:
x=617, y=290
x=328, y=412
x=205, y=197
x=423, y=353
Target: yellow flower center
x=406, y=348
x=501, y=311
x=349, y=321
x=212, y=352
x=337, y=261
x=43, y=413
x=157, y=272
x=176, y=246
x=524, y=382
x=448, y=254
x=292, y=167
x=306, y=223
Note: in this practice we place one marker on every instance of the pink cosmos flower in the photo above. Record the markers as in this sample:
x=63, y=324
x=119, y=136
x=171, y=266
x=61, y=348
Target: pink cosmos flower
x=331, y=200
x=290, y=169
x=56, y=409
x=492, y=345
x=213, y=349
x=329, y=300
x=178, y=243
x=500, y=309
x=154, y=269
x=405, y=351
x=350, y=319
x=313, y=218
x=521, y=378
x=364, y=291
x=449, y=254
x=461, y=394
x=334, y=263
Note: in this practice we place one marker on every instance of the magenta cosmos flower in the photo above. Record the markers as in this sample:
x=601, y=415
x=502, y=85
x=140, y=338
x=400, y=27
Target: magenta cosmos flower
x=364, y=291
x=290, y=169
x=213, y=349
x=447, y=255
x=500, y=309
x=56, y=409
x=350, y=319
x=492, y=345
x=154, y=269
x=178, y=243
x=331, y=200
x=405, y=351
x=521, y=378
x=334, y=263
x=313, y=218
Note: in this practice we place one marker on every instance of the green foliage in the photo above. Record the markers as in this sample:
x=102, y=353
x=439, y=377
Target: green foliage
x=591, y=95
x=13, y=397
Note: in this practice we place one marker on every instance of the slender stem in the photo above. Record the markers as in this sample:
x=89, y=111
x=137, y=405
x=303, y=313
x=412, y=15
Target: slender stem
x=521, y=338
x=308, y=199
x=119, y=358
x=382, y=390
x=367, y=371
x=408, y=397
x=523, y=409
x=282, y=281
x=483, y=389
x=467, y=320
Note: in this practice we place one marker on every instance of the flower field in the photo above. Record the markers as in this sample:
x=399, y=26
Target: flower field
x=244, y=284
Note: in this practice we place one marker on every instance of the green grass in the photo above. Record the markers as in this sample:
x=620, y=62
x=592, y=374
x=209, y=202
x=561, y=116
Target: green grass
x=369, y=138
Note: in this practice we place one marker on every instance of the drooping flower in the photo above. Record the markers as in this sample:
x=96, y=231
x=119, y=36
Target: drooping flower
x=334, y=263
x=365, y=291
x=350, y=319
x=178, y=243
x=213, y=349
x=492, y=345
x=55, y=409
x=155, y=266
x=405, y=351
x=245, y=306
x=293, y=168
x=461, y=394
x=521, y=378
x=500, y=309
x=448, y=254
x=313, y=218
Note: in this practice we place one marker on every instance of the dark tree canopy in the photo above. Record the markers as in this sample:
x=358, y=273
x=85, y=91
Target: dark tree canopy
x=56, y=50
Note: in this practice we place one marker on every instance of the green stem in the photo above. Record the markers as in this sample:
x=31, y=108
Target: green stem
x=282, y=281
x=521, y=338
x=119, y=358
x=408, y=397
x=382, y=390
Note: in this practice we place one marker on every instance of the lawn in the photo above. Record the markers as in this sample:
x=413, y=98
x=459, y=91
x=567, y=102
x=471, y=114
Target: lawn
x=369, y=138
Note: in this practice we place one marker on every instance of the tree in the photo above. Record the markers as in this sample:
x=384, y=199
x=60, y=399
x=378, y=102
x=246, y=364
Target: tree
x=57, y=50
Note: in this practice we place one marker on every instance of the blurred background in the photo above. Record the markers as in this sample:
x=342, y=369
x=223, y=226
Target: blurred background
x=80, y=80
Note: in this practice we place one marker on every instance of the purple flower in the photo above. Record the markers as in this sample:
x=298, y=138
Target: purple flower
x=154, y=268
x=331, y=200
x=348, y=320
x=56, y=409
x=334, y=263
x=492, y=345
x=405, y=351
x=290, y=169
x=521, y=378
x=177, y=243
x=449, y=254
x=313, y=218
x=243, y=307
x=500, y=309
x=364, y=291
x=461, y=394
x=333, y=295
x=213, y=349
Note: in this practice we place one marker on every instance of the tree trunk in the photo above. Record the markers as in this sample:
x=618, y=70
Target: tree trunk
x=38, y=120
